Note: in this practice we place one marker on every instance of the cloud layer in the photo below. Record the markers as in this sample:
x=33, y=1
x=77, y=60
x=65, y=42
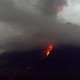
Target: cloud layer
x=72, y=12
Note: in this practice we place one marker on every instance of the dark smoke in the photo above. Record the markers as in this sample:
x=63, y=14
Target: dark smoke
x=33, y=25
x=49, y=6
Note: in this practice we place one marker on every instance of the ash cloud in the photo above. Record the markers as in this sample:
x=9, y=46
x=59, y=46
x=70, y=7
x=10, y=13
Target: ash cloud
x=27, y=24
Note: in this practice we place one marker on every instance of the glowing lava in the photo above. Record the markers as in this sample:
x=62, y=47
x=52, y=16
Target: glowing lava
x=50, y=47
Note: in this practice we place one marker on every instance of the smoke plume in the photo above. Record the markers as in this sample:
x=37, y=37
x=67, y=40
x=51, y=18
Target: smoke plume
x=27, y=24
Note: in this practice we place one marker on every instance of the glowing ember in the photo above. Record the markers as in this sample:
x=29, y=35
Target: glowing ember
x=50, y=47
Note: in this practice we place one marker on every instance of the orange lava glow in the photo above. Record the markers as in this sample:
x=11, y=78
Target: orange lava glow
x=50, y=47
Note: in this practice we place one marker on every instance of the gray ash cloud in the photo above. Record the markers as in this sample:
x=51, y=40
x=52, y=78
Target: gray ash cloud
x=25, y=27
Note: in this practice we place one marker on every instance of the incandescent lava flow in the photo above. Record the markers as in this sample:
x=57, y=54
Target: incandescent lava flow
x=48, y=50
